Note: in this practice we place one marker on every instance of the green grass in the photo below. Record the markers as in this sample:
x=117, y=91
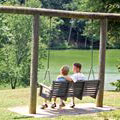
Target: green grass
x=20, y=97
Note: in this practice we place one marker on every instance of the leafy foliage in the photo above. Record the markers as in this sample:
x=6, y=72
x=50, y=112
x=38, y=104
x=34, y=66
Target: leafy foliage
x=118, y=66
x=55, y=4
x=101, y=6
x=116, y=84
x=15, y=50
x=5, y=35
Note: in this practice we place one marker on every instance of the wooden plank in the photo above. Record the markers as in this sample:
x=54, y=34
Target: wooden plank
x=34, y=65
x=76, y=89
x=59, y=89
x=102, y=54
x=58, y=13
x=91, y=88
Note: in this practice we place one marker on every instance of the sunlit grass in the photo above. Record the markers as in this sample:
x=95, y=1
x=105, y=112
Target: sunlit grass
x=20, y=97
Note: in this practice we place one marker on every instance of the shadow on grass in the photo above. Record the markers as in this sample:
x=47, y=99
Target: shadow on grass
x=22, y=117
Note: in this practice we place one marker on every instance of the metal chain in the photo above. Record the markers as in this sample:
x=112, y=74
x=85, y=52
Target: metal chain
x=92, y=55
x=48, y=60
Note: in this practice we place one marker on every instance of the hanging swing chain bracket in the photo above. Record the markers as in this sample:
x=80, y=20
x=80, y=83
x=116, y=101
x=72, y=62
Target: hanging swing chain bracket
x=48, y=62
x=92, y=55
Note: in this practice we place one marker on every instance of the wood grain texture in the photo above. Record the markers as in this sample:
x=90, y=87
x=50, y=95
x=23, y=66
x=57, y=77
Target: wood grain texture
x=58, y=13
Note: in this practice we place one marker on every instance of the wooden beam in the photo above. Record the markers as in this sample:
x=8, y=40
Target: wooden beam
x=58, y=13
x=102, y=54
x=34, y=66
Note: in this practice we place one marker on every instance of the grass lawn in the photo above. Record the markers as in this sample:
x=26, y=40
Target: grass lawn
x=19, y=97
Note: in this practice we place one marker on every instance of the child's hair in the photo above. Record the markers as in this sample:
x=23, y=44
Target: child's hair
x=64, y=70
x=78, y=65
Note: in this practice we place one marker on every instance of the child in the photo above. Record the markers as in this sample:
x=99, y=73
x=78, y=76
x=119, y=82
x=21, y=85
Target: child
x=63, y=73
x=75, y=77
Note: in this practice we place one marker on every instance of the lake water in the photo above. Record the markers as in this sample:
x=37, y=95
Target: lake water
x=61, y=57
x=109, y=77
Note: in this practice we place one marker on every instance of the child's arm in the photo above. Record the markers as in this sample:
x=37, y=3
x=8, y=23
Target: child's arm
x=68, y=78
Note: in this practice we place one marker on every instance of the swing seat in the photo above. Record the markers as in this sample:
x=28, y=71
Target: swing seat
x=83, y=88
x=64, y=89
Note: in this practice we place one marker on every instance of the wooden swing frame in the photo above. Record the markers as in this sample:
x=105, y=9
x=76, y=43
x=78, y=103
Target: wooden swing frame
x=36, y=12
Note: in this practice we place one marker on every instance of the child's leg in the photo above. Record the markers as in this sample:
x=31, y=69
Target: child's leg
x=72, y=102
x=54, y=102
x=61, y=101
x=62, y=104
x=45, y=101
x=44, y=105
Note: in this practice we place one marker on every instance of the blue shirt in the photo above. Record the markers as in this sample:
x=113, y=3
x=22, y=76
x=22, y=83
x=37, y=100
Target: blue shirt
x=60, y=78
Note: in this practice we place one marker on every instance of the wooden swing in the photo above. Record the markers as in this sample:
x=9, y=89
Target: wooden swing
x=66, y=89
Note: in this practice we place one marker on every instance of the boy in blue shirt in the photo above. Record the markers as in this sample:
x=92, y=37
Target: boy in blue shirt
x=61, y=77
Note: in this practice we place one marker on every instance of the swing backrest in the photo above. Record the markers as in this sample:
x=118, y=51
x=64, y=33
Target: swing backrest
x=60, y=89
x=76, y=89
x=91, y=88
x=64, y=89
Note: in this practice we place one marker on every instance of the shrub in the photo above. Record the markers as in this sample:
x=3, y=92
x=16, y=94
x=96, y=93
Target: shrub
x=117, y=83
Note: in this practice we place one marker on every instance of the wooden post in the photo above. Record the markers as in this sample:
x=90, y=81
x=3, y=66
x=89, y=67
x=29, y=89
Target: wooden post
x=102, y=53
x=34, y=65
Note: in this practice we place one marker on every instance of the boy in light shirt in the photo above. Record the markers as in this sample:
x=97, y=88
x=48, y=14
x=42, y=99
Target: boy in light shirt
x=75, y=77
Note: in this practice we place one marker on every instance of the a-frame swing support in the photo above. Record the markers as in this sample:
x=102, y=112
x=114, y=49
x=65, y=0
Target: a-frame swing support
x=34, y=65
x=66, y=14
x=102, y=54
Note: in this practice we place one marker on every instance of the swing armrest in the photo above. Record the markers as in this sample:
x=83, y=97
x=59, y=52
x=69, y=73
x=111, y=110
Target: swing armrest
x=45, y=92
x=44, y=86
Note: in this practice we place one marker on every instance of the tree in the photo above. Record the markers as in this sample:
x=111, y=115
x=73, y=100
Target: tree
x=101, y=6
x=55, y=4
x=15, y=52
x=5, y=35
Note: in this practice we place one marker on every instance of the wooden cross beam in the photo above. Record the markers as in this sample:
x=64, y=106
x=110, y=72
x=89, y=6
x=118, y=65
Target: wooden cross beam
x=58, y=13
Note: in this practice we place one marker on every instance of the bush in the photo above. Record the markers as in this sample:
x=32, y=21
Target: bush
x=117, y=85
x=118, y=68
